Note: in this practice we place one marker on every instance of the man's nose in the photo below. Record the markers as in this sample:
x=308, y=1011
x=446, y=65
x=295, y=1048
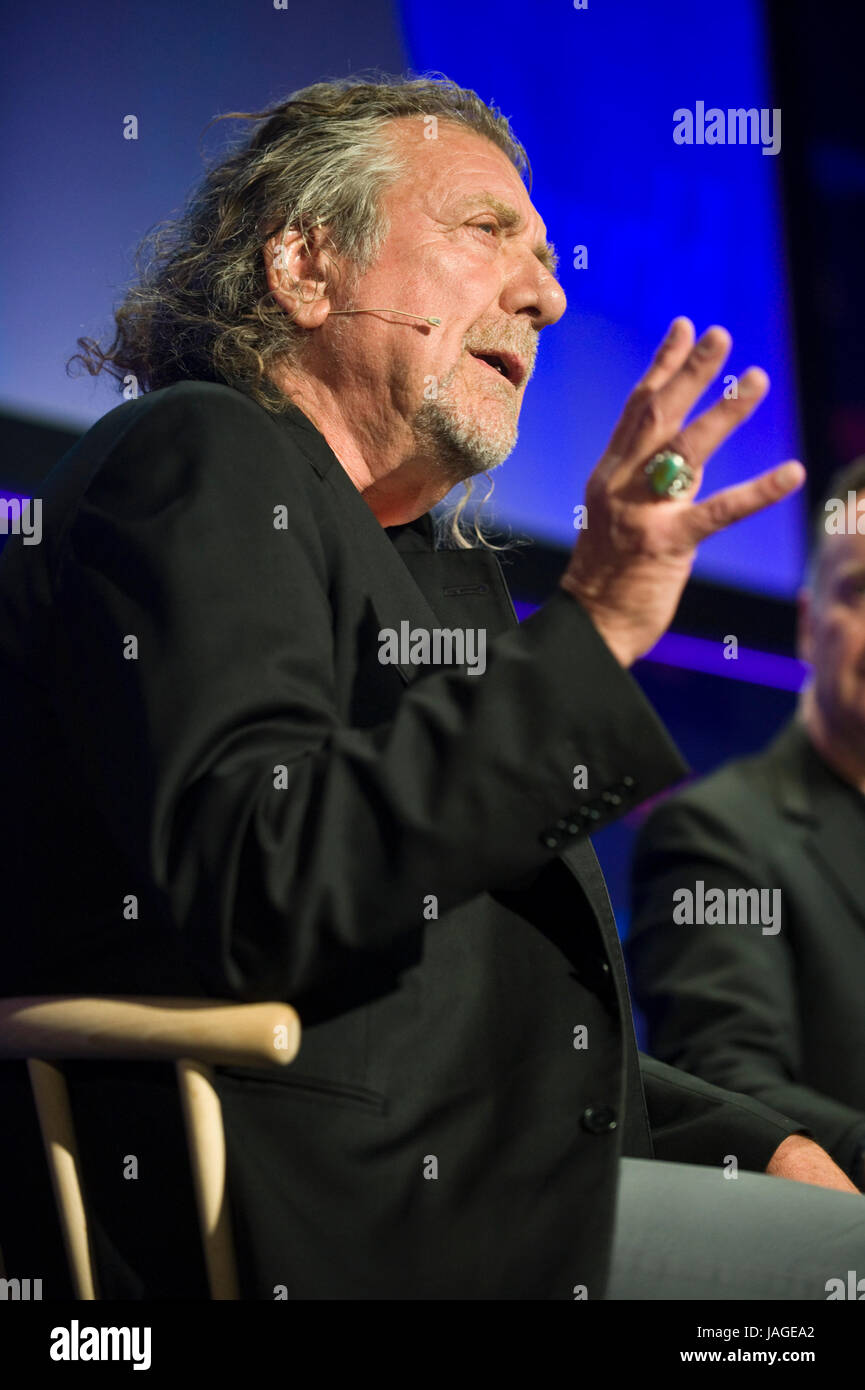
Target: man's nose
x=533, y=291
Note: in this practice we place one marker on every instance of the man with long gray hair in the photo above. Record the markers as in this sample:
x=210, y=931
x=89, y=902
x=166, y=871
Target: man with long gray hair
x=339, y=329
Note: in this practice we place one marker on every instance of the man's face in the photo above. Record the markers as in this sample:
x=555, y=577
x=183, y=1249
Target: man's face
x=465, y=245
x=833, y=637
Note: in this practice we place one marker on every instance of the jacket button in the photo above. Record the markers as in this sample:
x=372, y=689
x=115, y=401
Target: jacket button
x=598, y=1119
x=551, y=841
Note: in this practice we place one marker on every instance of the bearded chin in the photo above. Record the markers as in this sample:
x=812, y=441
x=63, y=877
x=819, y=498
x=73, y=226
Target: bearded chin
x=462, y=446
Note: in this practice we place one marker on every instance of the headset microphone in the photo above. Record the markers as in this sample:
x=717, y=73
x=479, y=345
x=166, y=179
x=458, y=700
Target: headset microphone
x=433, y=321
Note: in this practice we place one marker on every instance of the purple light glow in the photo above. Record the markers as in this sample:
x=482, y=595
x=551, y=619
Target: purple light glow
x=701, y=654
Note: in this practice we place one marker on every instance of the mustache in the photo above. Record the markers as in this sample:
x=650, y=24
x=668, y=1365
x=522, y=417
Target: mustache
x=526, y=348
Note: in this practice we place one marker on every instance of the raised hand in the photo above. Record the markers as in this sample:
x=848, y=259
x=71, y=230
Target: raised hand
x=630, y=565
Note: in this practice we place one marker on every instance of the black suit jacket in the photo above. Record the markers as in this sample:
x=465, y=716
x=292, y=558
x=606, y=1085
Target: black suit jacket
x=217, y=788
x=779, y=1016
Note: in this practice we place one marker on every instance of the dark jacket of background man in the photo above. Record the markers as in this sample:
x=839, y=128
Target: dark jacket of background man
x=440, y=1135
x=779, y=1016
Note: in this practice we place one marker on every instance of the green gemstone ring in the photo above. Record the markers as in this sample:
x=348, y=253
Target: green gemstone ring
x=669, y=474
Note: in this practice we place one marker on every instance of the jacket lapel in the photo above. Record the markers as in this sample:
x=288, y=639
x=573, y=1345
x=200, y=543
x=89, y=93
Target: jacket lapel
x=808, y=792
x=393, y=596
x=411, y=583
x=451, y=588
x=463, y=588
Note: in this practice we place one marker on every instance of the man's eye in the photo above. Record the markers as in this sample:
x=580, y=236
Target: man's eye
x=493, y=226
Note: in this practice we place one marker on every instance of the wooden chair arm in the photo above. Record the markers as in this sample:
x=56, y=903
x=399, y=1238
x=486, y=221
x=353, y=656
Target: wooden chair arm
x=195, y=1034
x=215, y=1032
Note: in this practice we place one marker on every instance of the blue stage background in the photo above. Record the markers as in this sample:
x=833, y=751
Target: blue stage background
x=668, y=229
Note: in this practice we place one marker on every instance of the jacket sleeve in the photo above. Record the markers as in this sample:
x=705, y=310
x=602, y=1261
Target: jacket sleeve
x=693, y=1121
x=196, y=652
x=721, y=1002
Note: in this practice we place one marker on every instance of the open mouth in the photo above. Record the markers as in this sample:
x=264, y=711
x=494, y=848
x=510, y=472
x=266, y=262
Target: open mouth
x=508, y=367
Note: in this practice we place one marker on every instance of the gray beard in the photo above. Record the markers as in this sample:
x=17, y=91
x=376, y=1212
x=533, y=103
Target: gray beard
x=458, y=448
x=461, y=448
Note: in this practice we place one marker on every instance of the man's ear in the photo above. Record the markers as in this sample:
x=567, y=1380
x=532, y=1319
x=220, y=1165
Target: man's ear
x=299, y=274
x=804, y=625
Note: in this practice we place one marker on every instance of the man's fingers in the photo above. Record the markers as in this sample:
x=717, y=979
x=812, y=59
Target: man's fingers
x=704, y=435
x=701, y=365
x=743, y=499
x=654, y=416
x=668, y=358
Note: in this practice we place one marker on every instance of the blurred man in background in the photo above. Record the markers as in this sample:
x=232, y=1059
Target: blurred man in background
x=775, y=1007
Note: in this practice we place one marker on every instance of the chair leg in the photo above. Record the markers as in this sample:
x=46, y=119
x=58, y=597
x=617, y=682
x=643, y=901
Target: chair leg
x=51, y=1099
x=205, y=1135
